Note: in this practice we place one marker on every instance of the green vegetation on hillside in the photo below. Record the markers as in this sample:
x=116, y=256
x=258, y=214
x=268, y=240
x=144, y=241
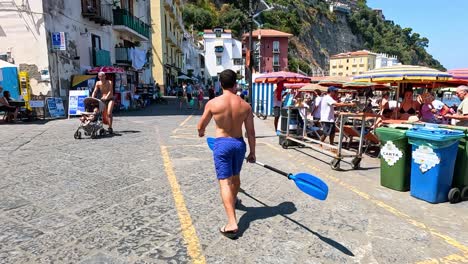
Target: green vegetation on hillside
x=387, y=37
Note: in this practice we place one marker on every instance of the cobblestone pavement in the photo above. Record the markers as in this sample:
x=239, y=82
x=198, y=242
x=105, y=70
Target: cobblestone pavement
x=148, y=194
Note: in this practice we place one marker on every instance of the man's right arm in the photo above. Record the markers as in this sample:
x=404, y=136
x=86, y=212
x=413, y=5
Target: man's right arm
x=96, y=87
x=249, y=126
x=204, y=120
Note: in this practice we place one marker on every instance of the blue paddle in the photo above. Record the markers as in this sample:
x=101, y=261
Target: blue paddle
x=307, y=183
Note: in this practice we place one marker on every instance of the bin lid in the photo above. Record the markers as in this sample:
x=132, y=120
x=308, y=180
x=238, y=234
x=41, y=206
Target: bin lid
x=460, y=128
x=434, y=134
x=390, y=131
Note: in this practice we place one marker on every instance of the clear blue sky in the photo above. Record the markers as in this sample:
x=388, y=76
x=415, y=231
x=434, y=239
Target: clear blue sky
x=444, y=23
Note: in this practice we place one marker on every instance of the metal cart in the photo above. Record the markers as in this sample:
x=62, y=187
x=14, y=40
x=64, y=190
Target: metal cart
x=300, y=137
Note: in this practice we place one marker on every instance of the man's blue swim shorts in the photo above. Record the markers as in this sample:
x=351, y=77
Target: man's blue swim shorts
x=228, y=155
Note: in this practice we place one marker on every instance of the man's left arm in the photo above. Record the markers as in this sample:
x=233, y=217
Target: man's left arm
x=204, y=120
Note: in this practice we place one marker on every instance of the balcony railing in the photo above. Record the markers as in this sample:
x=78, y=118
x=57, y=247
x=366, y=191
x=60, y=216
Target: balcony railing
x=123, y=17
x=101, y=58
x=121, y=56
x=98, y=11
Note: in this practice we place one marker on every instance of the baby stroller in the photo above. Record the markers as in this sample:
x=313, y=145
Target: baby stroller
x=91, y=122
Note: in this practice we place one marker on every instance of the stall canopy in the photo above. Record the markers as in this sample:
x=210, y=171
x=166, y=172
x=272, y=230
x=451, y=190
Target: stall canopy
x=288, y=77
x=336, y=81
x=9, y=78
x=363, y=85
x=295, y=85
x=403, y=74
x=106, y=69
x=313, y=87
x=459, y=73
x=183, y=77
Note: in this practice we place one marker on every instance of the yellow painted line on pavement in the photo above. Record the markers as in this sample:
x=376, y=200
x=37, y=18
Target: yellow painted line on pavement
x=450, y=259
x=389, y=208
x=186, y=120
x=188, y=230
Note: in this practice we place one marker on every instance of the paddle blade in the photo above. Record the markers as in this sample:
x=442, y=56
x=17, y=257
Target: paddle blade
x=210, y=141
x=311, y=185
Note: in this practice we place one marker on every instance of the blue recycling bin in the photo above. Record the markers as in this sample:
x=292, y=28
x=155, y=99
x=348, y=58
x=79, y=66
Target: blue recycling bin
x=433, y=156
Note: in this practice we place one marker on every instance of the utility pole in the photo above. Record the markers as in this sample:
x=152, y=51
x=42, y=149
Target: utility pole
x=250, y=50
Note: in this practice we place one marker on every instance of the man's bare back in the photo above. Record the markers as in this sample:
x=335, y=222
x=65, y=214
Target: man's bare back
x=229, y=112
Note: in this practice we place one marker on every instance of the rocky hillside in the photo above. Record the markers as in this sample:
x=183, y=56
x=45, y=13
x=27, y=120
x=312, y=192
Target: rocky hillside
x=318, y=33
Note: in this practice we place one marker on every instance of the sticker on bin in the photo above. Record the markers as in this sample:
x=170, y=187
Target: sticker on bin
x=390, y=153
x=426, y=158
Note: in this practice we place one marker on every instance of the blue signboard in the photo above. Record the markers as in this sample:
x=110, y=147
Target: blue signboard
x=76, y=101
x=55, y=106
x=58, y=41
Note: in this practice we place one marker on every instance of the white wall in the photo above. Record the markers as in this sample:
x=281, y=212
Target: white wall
x=26, y=39
x=232, y=49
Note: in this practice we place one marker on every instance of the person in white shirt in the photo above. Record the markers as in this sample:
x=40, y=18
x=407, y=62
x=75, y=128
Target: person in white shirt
x=316, y=112
x=327, y=113
x=461, y=117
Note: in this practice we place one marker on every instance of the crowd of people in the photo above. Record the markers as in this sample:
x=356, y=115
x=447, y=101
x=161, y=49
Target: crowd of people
x=425, y=107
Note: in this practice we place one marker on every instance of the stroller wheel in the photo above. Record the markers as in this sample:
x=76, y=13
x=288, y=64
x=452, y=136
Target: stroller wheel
x=93, y=134
x=77, y=135
x=102, y=132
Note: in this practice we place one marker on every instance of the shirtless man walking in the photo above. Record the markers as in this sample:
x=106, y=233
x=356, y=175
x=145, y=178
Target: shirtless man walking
x=230, y=112
x=107, y=96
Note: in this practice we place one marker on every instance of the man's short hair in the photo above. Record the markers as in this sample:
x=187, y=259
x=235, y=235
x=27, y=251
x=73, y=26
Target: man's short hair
x=101, y=73
x=463, y=88
x=228, y=79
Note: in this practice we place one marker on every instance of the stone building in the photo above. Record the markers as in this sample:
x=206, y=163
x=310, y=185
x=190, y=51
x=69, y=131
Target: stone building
x=55, y=39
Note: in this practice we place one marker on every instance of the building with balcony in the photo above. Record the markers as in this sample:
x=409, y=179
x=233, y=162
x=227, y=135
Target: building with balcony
x=69, y=39
x=167, y=41
x=221, y=52
x=193, y=60
x=270, y=52
x=352, y=63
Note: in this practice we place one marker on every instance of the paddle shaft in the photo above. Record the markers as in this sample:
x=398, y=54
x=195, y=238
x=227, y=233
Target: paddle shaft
x=273, y=169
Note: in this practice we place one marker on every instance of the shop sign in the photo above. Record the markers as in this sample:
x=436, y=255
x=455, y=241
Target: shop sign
x=55, y=106
x=426, y=158
x=76, y=101
x=390, y=153
x=36, y=103
x=58, y=41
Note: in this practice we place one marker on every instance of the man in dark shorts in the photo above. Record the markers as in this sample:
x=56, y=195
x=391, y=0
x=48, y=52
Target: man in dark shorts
x=230, y=112
x=277, y=102
x=106, y=88
x=327, y=113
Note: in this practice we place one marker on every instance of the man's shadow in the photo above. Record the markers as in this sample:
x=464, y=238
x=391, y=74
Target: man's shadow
x=283, y=209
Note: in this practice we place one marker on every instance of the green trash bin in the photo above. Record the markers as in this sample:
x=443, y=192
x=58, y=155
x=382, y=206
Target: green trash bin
x=459, y=189
x=395, y=158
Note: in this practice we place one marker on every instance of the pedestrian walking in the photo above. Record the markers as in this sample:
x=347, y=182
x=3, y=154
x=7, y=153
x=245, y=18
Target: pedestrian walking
x=327, y=113
x=230, y=112
x=200, y=96
x=189, y=92
x=211, y=93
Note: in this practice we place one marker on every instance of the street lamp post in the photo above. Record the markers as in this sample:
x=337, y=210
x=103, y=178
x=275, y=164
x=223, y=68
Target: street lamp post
x=250, y=50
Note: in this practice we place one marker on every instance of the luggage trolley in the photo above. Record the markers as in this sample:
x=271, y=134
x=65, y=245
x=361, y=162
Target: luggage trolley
x=301, y=138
